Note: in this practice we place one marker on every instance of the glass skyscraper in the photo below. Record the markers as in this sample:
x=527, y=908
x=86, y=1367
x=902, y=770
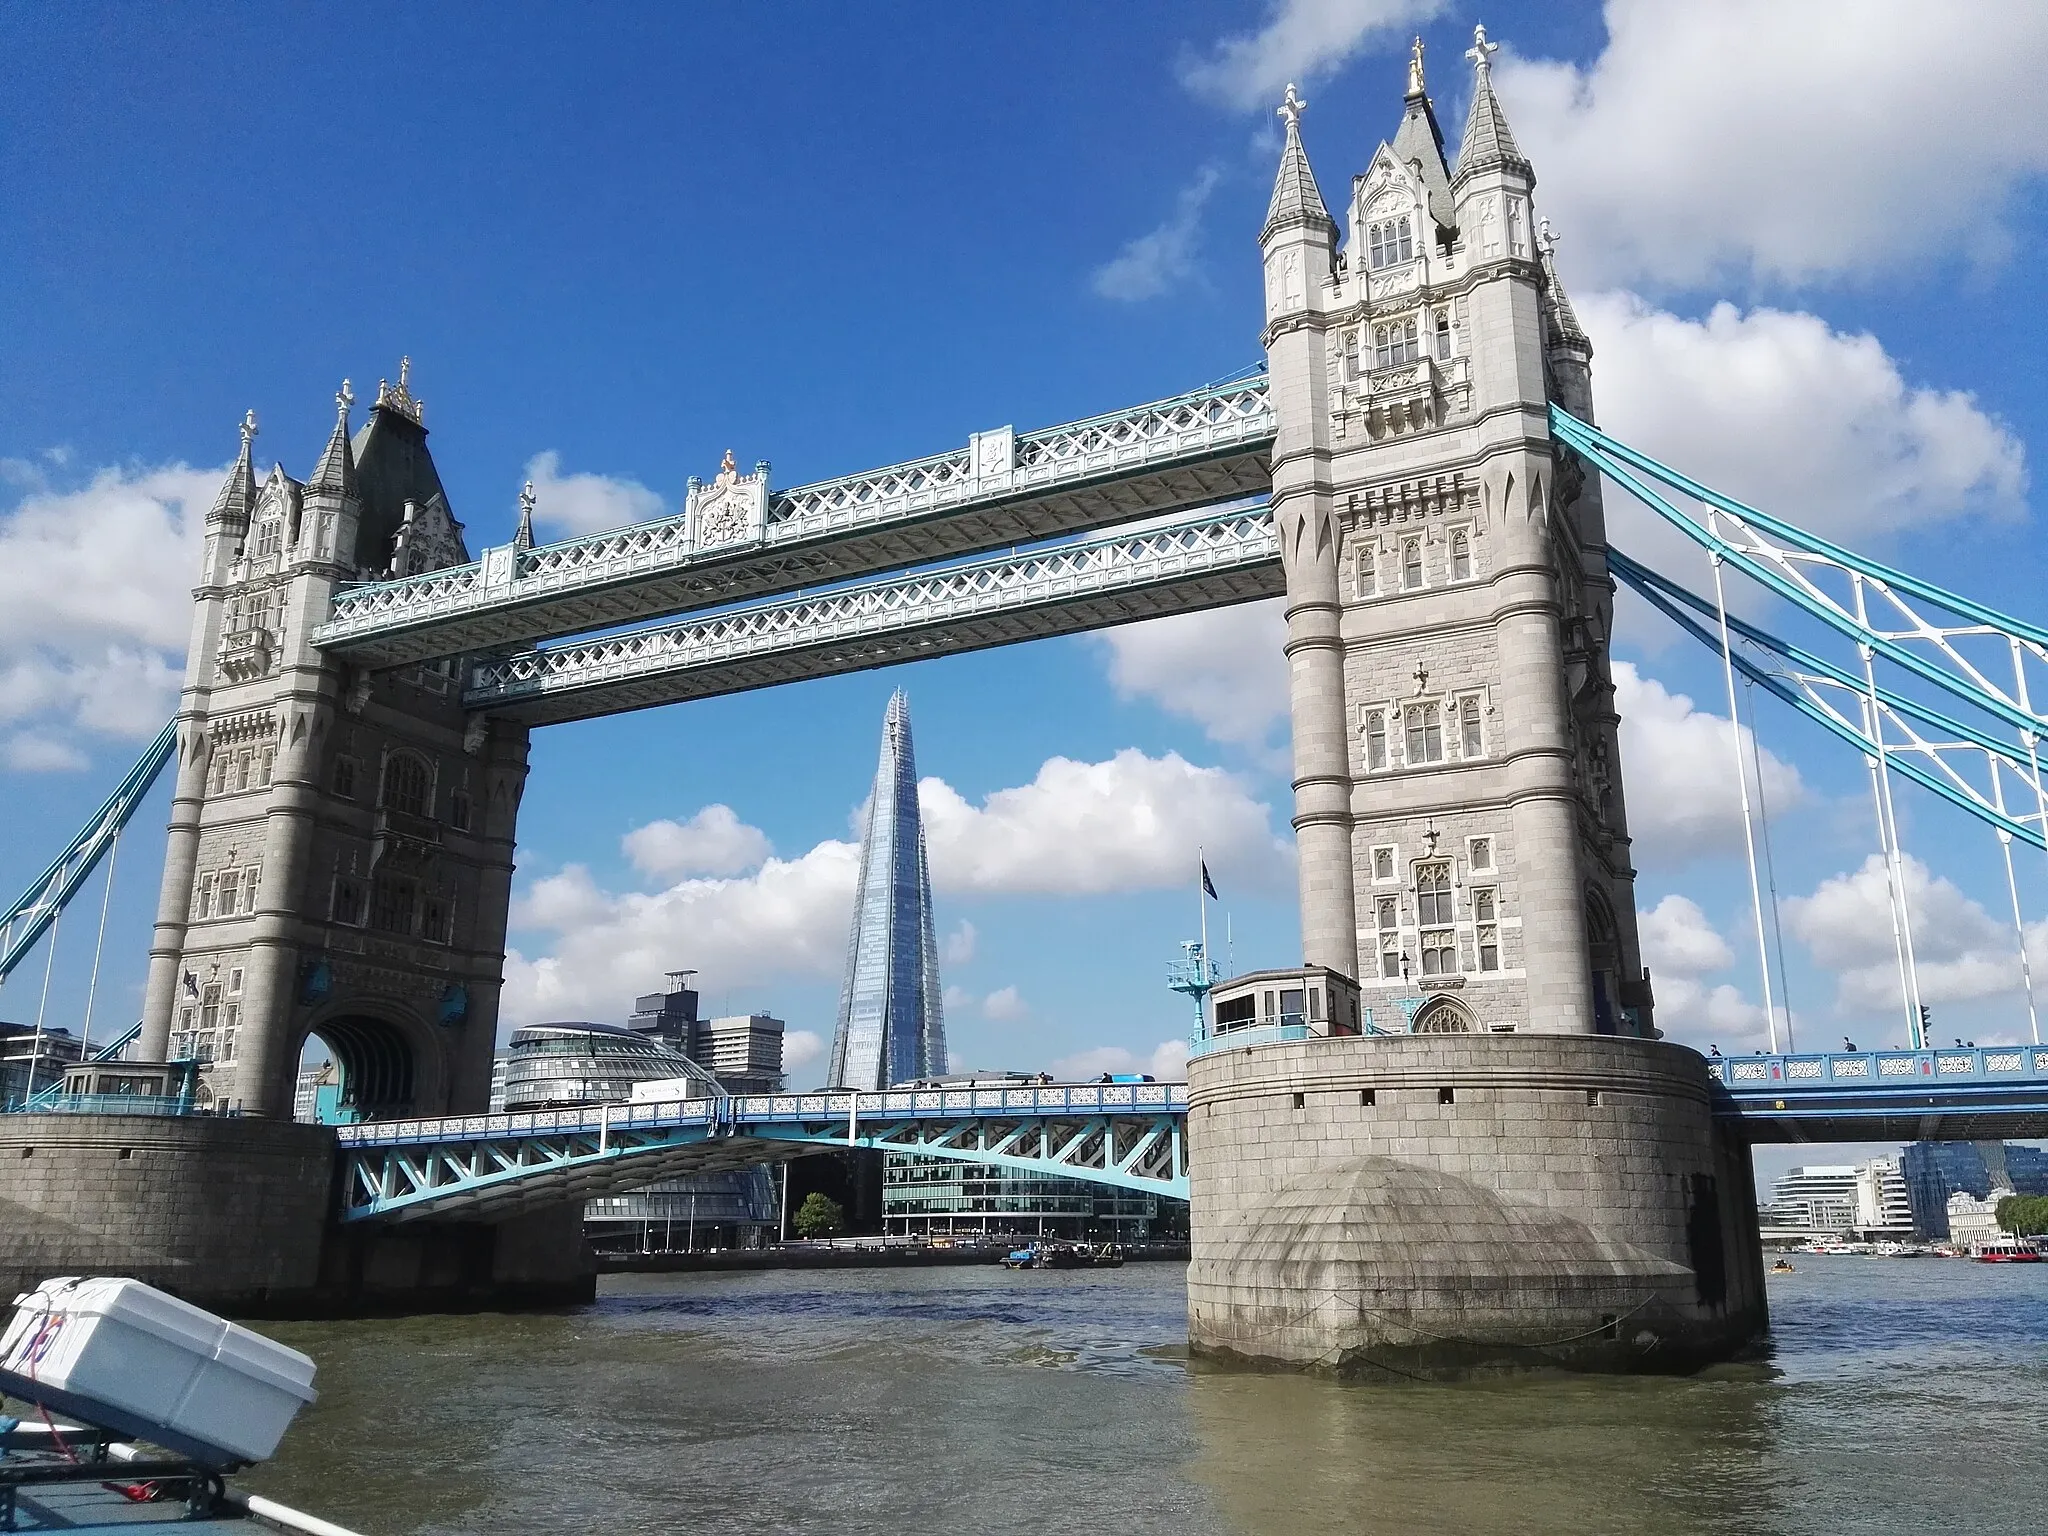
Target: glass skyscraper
x=892, y=1027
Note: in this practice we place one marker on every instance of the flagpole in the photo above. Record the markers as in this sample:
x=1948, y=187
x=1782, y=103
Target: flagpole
x=1202, y=901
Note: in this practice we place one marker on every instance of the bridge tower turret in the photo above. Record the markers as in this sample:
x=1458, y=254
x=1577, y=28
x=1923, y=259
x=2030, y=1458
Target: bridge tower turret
x=340, y=852
x=1500, y=1161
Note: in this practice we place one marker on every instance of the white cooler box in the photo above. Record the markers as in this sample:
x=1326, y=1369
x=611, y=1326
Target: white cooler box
x=124, y=1356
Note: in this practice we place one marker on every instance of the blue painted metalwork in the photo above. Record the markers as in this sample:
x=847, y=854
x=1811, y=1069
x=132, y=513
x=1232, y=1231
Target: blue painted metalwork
x=1131, y=1135
x=32, y=913
x=1966, y=1093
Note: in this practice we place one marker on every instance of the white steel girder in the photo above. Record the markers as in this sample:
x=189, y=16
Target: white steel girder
x=1199, y=563
x=1195, y=450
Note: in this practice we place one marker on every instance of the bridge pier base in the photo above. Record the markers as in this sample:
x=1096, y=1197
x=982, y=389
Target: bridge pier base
x=237, y=1216
x=1451, y=1205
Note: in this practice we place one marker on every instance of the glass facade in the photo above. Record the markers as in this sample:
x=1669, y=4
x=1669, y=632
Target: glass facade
x=929, y=1197
x=891, y=1025
x=1935, y=1170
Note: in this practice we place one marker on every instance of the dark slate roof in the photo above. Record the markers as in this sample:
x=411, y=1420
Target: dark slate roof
x=1488, y=144
x=237, y=498
x=1419, y=141
x=1296, y=200
x=392, y=467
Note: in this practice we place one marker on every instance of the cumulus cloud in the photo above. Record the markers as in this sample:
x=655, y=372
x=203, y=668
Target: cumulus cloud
x=1168, y=1062
x=1163, y=257
x=1678, y=940
x=1677, y=765
x=1754, y=139
x=1681, y=948
x=1961, y=952
x=713, y=842
x=584, y=502
x=1223, y=669
x=801, y=1047
x=957, y=948
x=1811, y=424
x=1005, y=1005
x=1301, y=40
x=95, y=606
x=1130, y=823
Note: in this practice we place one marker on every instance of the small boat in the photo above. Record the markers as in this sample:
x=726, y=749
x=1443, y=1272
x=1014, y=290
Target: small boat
x=1782, y=1267
x=1049, y=1255
x=2008, y=1250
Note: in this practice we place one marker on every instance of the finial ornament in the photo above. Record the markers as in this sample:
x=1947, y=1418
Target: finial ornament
x=400, y=397
x=1480, y=51
x=1415, y=87
x=248, y=429
x=1291, y=108
x=1546, y=238
x=523, y=538
x=404, y=371
x=344, y=398
x=527, y=500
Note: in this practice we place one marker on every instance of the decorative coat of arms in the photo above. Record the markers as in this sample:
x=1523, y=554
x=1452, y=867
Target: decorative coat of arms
x=731, y=508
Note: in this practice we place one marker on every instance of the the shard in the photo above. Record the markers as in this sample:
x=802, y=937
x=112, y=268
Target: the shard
x=892, y=1027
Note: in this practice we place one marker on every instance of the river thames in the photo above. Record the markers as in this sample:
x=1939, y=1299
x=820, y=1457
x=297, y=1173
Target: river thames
x=1898, y=1396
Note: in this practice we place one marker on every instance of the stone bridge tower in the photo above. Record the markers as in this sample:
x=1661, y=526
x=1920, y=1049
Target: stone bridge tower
x=339, y=861
x=1484, y=1153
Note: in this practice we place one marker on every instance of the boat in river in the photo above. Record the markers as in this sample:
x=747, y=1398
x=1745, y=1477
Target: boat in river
x=1044, y=1254
x=2009, y=1250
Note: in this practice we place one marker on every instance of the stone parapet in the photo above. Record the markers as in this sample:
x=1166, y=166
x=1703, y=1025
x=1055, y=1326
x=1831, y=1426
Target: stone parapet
x=1441, y=1205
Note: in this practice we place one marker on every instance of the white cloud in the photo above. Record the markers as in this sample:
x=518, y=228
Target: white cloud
x=1005, y=1005
x=956, y=998
x=1224, y=669
x=28, y=753
x=1678, y=774
x=1302, y=40
x=1961, y=952
x=1678, y=940
x=95, y=605
x=1750, y=138
x=1168, y=1063
x=957, y=948
x=584, y=502
x=801, y=1047
x=1810, y=424
x=712, y=842
x=1130, y=823
x=1158, y=260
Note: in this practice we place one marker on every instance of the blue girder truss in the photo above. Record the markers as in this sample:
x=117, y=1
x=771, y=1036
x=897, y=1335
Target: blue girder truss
x=1969, y=1093
x=490, y=1167
x=32, y=913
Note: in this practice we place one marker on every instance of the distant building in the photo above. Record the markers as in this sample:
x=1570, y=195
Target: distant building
x=1936, y=1170
x=1973, y=1220
x=744, y=1051
x=30, y=1062
x=892, y=1025
x=1811, y=1202
x=1883, y=1209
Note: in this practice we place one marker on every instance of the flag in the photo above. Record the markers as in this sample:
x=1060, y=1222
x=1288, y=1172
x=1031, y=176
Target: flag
x=191, y=985
x=1208, y=885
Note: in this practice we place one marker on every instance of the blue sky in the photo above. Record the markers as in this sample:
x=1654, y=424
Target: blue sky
x=629, y=238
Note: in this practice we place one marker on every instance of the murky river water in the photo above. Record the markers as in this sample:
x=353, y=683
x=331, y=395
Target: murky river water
x=1899, y=1397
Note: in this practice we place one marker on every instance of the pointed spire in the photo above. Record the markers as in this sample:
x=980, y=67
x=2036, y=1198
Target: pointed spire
x=237, y=498
x=523, y=539
x=1564, y=321
x=1296, y=201
x=336, y=470
x=1415, y=85
x=1488, y=144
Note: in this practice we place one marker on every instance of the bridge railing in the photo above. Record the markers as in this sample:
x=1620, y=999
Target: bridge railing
x=1837, y=1070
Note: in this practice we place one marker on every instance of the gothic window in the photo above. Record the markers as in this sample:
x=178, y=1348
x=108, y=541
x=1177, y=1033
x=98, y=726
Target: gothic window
x=1394, y=344
x=1383, y=863
x=242, y=770
x=251, y=878
x=1435, y=913
x=1411, y=564
x=348, y=901
x=205, y=906
x=230, y=891
x=1471, y=741
x=345, y=777
x=235, y=982
x=267, y=535
x=1375, y=740
x=1461, y=555
x=1388, y=920
x=1486, y=928
x=1425, y=734
x=221, y=764
x=459, y=810
x=264, y=764
x=1389, y=242
x=1368, y=568
x=1444, y=1016
x=391, y=905
x=434, y=919
x=1481, y=853
x=1443, y=335
x=405, y=784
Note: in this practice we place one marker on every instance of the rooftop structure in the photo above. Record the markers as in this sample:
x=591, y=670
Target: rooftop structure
x=891, y=1026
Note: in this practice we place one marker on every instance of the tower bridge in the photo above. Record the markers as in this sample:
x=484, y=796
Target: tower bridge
x=1511, y=1157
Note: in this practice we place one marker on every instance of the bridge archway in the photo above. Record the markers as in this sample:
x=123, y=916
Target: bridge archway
x=384, y=1067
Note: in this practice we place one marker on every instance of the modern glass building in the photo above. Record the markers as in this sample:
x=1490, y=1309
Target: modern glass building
x=891, y=1027
x=928, y=1197
x=1935, y=1170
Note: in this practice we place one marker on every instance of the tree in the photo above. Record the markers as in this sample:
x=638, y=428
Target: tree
x=2022, y=1215
x=820, y=1216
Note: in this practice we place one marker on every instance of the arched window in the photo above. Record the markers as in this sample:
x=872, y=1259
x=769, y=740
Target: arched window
x=1461, y=555
x=1435, y=913
x=1445, y=1016
x=1394, y=344
x=1443, y=335
x=405, y=785
x=1389, y=242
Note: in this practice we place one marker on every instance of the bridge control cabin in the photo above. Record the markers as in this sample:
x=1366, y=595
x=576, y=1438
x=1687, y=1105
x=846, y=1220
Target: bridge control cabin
x=1311, y=998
